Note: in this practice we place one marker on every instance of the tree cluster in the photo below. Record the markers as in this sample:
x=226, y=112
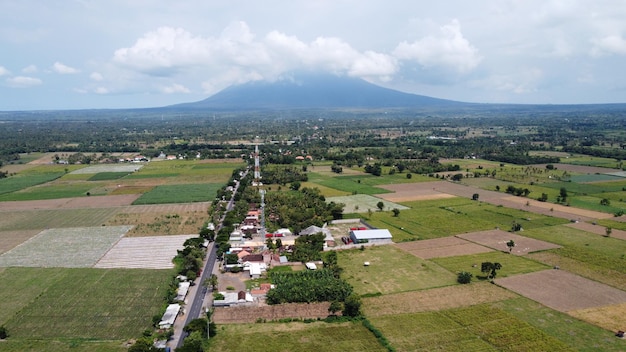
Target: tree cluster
x=307, y=286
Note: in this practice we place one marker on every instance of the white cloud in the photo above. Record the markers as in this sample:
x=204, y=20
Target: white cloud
x=63, y=69
x=612, y=44
x=101, y=90
x=96, y=76
x=23, y=81
x=524, y=81
x=30, y=69
x=4, y=71
x=448, y=48
x=175, y=88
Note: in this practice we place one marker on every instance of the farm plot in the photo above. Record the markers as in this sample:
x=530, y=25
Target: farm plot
x=159, y=223
x=143, y=252
x=563, y=291
x=608, y=317
x=66, y=203
x=511, y=264
x=83, y=303
x=391, y=270
x=476, y=328
x=234, y=315
x=434, y=299
x=182, y=193
x=296, y=336
x=54, y=218
x=96, y=169
x=598, y=230
x=361, y=203
x=68, y=248
x=497, y=239
x=10, y=239
x=442, y=247
x=408, y=192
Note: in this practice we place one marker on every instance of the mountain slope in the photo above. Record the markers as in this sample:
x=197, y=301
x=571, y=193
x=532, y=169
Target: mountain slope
x=313, y=91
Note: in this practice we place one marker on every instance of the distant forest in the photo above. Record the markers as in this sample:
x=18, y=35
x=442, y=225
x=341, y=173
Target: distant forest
x=419, y=137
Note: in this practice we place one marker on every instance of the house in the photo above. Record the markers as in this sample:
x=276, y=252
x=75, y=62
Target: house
x=311, y=266
x=181, y=293
x=368, y=236
x=171, y=312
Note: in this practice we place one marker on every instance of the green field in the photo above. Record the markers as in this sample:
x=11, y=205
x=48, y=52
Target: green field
x=182, y=193
x=301, y=337
x=186, y=171
x=60, y=304
x=361, y=184
x=511, y=264
x=592, y=249
x=19, y=182
x=391, y=270
x=52, y=191
x=54, y=218
x=476, y=328
x=452, y=216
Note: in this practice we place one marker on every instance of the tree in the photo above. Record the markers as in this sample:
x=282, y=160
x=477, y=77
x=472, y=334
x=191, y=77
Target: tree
x=490, y=269
x=475, y=196
x=605, y=202
x=608, y=231
x=295, y=185
x=211, y=281
x=510, y=244
x=143, y=345
x=352, y=305
x=562, y=195
x=335, y=306
x=409, y=176
x=457, y=177
x=464, y=277
x=3, y=333
x=193, y=343
x=396, y=212
x=380, y=205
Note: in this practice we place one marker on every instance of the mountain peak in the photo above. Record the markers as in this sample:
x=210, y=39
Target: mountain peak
x=313, y=91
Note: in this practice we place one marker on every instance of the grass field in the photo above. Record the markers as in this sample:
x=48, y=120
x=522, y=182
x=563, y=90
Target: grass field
x=446, y=217
x=107, y=176
x=361, y=203
x=475, y=328
x=187, y=171
x=69, y=309
x=181, y=193
x=391, y=270
x=585, y=247
x=16, y=183
x=511, y=264
x=54, y=218
x=52, y=191
x=357, y=184
x=312, y=337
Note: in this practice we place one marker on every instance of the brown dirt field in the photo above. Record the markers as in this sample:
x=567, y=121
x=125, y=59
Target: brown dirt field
x=563, y=291
x=435, y=299
x=497, y=240
x=597, y=229
x=234, y=315
x=69, y=203
x=407, y=192
x=590, y=214
x=442, y=247
x=10, y=239
x=606, y=276
x=608, y=317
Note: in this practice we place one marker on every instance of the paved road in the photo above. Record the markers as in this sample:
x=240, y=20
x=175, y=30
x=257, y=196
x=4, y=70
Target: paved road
x=195, y=309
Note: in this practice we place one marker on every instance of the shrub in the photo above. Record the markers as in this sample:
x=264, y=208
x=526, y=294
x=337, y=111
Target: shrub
x=464, y=277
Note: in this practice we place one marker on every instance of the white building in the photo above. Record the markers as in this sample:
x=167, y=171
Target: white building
x=367, y=236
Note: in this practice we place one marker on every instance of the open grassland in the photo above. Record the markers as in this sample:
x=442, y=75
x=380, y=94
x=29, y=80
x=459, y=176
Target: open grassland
x=54, y=218
x=609, y=317
x=578, y=159
x=511, y=264
x=326, y=191
x=580, y=335
x=68, y=247
x=446, y=217
x=179, y=193
x=312, y=337
x=63, y=345
x=108, y=168
x=390, y=270
x=107, y=176
x=93, y=304
x=589, y=248
x=476, y=328
x=53, y=191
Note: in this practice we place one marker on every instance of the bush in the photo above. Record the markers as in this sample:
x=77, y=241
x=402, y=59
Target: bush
x=3, y=333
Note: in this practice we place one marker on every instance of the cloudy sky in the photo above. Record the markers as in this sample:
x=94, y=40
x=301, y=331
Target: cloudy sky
x=72, y=54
